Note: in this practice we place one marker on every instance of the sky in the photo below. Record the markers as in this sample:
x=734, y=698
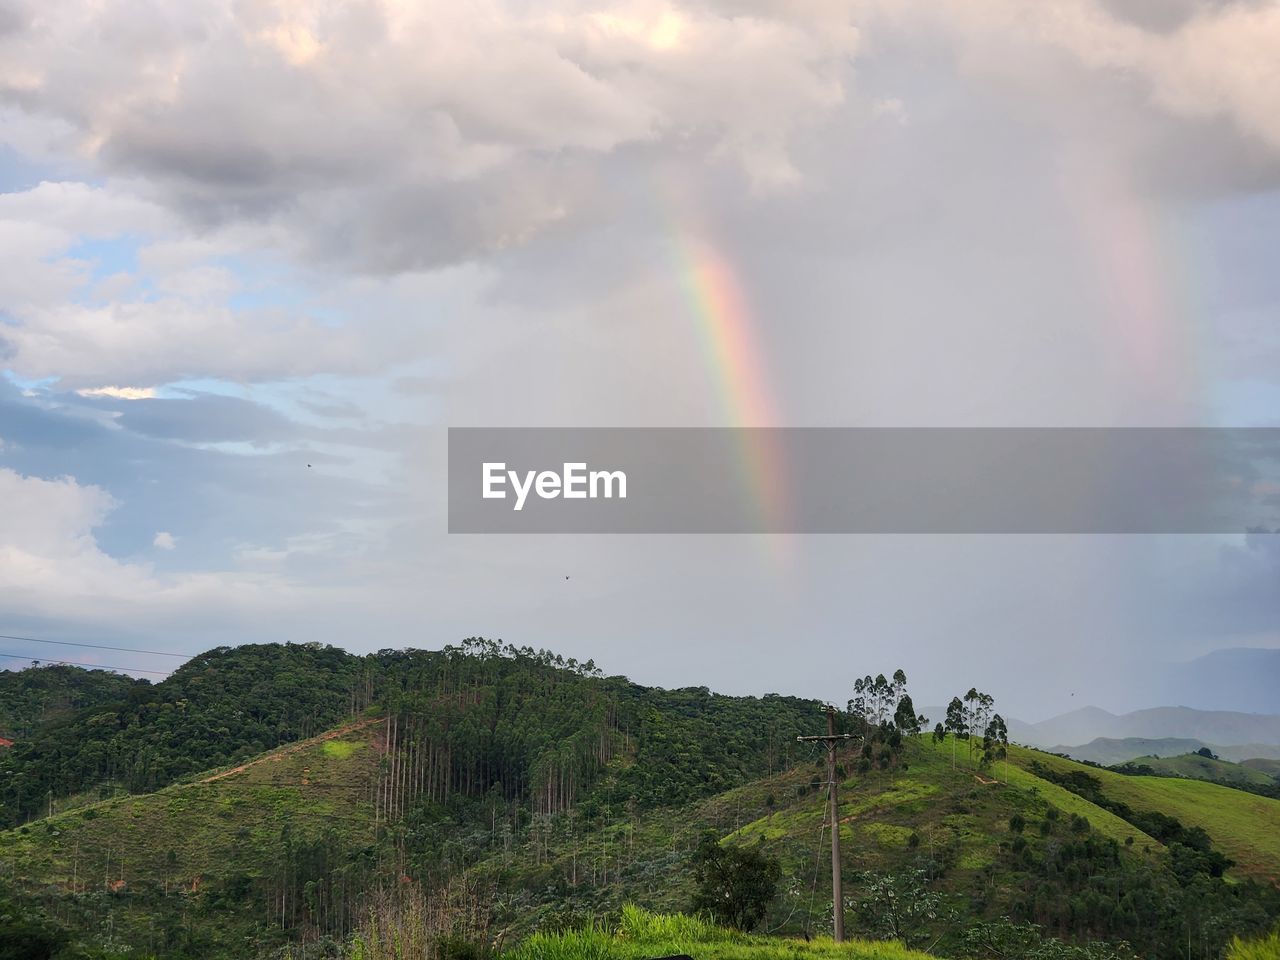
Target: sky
x=256, y=257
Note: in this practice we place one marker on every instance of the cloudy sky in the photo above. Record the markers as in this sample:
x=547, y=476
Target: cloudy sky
x=256, y=257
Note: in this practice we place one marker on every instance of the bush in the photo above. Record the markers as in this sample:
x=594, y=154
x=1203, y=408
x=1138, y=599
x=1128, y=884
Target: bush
x=735, y=884
x=1266, y=948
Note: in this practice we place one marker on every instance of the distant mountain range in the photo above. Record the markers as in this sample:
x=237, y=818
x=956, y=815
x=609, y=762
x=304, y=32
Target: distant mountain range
x=1099, y=736
x=1223, y=727
x=1109, y=751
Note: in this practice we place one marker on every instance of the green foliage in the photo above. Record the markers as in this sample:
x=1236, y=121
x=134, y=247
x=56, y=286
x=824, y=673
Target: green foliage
x=221, y=706
x=27, y=937
x=1004, y=939
x=1244, y=827
x=899, y=906
x=568, y=793
x=642, y=935
x=1204, y=765
x=735, y=884
x=31, y=697
x=1088, y=886
x=1263, y=948
x=26, y=933
x=516, y=718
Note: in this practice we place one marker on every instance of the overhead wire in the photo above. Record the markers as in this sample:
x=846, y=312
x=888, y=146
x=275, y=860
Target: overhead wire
x=96, y=646
x=89, y=666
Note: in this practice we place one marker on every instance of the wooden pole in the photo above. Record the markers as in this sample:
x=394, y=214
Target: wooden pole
x=837, y=889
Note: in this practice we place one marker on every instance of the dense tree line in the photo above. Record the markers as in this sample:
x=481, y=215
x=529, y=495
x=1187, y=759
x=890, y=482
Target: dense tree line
x=483, y=720
x=880, y=714
x=32, y=697
x=220, y=706
x=467, y=719
x=1084, y=884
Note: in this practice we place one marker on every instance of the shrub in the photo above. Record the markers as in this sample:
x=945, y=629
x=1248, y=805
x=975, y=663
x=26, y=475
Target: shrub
x=1266, y=948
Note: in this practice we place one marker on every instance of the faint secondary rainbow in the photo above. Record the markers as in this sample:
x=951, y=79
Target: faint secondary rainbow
x=1141, y=279
x=733, y=358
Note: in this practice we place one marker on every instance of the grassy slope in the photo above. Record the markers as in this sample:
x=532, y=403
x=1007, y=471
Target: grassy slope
x=1192, y=766
x=642, y=934
x=210, y=828
x=1270, y=767
x=1244, y=826
x=938, y=802
x=953, y=816
x=234, y=823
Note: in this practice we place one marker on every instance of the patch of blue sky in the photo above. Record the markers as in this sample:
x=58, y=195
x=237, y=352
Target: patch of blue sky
x=264, y=284
x=17, y=173
x=28, y=384
x=267, y=296
x=109, y=257
x=365, y=464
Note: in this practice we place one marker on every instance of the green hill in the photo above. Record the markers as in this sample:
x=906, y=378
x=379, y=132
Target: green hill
x=521, y=794
x=1194, y=766
x=293, y=833
x=1244, y=826
x=30, y=699
x=1264, y=765
x=1110, y=752
x=237, y=844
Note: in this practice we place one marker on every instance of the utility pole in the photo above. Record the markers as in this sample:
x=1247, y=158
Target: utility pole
x=837, y=891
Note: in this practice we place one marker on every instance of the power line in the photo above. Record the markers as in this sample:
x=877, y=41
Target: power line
x=98, y=646
x=91, y=666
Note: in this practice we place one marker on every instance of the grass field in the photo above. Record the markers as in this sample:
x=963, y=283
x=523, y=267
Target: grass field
x=1244, y=826
x=1270, y=767
x=1106, y=823
x=641, y=934
x=1192, y=766
x=176, y=836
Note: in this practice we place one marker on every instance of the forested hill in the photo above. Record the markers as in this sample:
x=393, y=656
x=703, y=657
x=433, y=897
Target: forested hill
x=30, y=698
x=469, y=719
x=303, y=797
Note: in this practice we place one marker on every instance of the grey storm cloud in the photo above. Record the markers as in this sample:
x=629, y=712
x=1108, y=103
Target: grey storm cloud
x=205, y=418
x=369, y=220
x=395, y=138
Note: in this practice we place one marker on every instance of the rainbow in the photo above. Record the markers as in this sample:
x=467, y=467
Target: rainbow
x=730, y=350
x=1132, y=259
